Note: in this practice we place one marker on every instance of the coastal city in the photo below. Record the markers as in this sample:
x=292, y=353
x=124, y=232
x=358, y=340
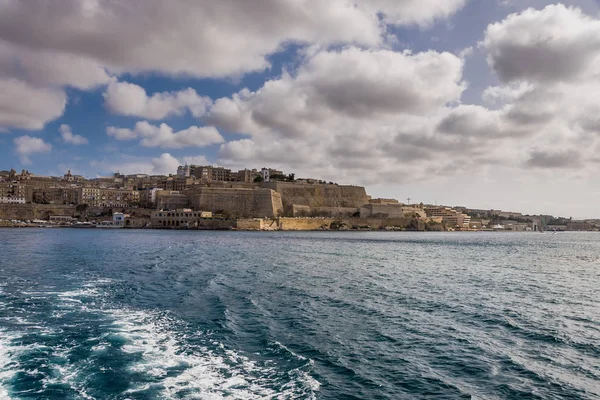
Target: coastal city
x=217, y=198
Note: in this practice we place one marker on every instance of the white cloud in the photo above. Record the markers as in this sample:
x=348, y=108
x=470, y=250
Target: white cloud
x=51, y=68
x=351, y=83
x=27, y=145
x=408, y=12
x=500, y=95
x=202, y=39
x=24, y=106
x=164, y=164
x=557, y=43
x=121, y=133
x=68, y=136
x=129, y=99
x=196, y=160
x=163, y=135
x=344, y=114
x=87, y=44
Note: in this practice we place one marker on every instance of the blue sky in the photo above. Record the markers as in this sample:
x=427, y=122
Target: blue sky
x=463, y=102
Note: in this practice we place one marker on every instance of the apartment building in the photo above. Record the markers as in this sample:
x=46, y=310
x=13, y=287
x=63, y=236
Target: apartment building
x=449, y=216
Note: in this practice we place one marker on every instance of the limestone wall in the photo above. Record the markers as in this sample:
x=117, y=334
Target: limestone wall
x=306, y=224
x=206, y=224
x=253, y=224
x=237, y=202
x=318, y=195
x=34, y=211
x=307, y=211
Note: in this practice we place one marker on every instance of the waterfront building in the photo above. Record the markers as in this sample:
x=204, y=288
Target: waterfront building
x=450, y=216
x=15, y=193
x=390, y=210
x=12, y=200
x=178, y=218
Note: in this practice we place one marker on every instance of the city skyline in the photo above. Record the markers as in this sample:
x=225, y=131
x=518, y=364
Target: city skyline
x=487, y=104
x=184, y=172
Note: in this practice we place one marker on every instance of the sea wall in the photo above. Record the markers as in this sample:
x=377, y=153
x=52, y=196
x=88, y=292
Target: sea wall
x=318, y=195
x=307, y=224
x=34, y=211
x=237, y=202
x=308, y=211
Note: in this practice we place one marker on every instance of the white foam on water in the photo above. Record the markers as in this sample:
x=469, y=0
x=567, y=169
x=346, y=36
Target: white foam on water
x=165, y=359
x=7, y=364
x=194, y=372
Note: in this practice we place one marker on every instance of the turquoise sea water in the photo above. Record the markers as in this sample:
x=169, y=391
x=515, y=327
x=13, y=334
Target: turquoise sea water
x=91, y=314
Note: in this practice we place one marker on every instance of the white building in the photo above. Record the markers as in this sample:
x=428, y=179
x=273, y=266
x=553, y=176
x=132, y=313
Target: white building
x=12, y=200
x=119, y=218
x=266, y=174
x=184, y=171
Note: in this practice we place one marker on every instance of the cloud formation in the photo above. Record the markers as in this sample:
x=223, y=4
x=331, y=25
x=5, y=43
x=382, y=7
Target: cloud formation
x=70, y=138
x=163, y=135
x=549, y=45
x=164, y=164
x=202, y=39
x=342, y=112
x=24, y=106
x=124, y=98
x=27, y=145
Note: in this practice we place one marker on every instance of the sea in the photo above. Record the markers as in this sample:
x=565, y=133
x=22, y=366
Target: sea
x=144, y=314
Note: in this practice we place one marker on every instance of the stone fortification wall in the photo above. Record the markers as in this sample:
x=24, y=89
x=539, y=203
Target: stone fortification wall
x=237, y=202
x=318, y=195
x=216, y=224
x=43, y=211
x=232, y=185
x=306, y=224
x=171, y=201
x=253, y=224
x=307, y=211
x=34, y=211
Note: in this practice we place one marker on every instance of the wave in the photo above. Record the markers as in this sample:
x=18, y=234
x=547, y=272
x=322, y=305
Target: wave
x=8, y=365
x=144, y=353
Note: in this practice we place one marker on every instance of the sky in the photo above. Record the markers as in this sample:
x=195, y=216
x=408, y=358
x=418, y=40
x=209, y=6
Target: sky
x=479, y=103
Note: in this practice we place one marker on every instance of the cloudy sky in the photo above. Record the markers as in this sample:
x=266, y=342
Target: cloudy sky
x=484, y=103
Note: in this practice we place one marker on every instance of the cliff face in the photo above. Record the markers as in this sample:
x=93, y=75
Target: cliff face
x=238, y=202
x=317, y=195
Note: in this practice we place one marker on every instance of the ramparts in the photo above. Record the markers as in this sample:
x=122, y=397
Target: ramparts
x=318, y=195
x=237, y=202
x=305, y=224
x=34, y=211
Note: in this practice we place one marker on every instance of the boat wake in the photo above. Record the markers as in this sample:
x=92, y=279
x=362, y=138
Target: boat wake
x=91, y=349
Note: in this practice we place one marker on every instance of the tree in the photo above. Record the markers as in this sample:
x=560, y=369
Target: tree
x=259, y=179
x=291, y=177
